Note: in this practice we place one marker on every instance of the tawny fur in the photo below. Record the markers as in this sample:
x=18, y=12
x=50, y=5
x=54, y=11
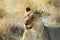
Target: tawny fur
x=12, y=13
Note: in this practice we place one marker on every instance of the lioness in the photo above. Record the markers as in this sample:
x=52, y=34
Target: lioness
x=42, y=20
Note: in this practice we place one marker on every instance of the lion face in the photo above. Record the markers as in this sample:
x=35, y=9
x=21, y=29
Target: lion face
x=32, y=19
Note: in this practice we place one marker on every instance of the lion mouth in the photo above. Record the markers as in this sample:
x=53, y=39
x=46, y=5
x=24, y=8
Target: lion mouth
x=28, y=26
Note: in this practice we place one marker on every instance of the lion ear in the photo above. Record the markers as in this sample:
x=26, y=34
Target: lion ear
x=28, y=9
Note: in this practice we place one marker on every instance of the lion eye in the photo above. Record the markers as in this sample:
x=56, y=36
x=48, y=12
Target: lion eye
x=28, y=9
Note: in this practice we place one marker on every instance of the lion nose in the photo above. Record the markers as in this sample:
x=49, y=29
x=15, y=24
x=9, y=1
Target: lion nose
x=28, y=24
